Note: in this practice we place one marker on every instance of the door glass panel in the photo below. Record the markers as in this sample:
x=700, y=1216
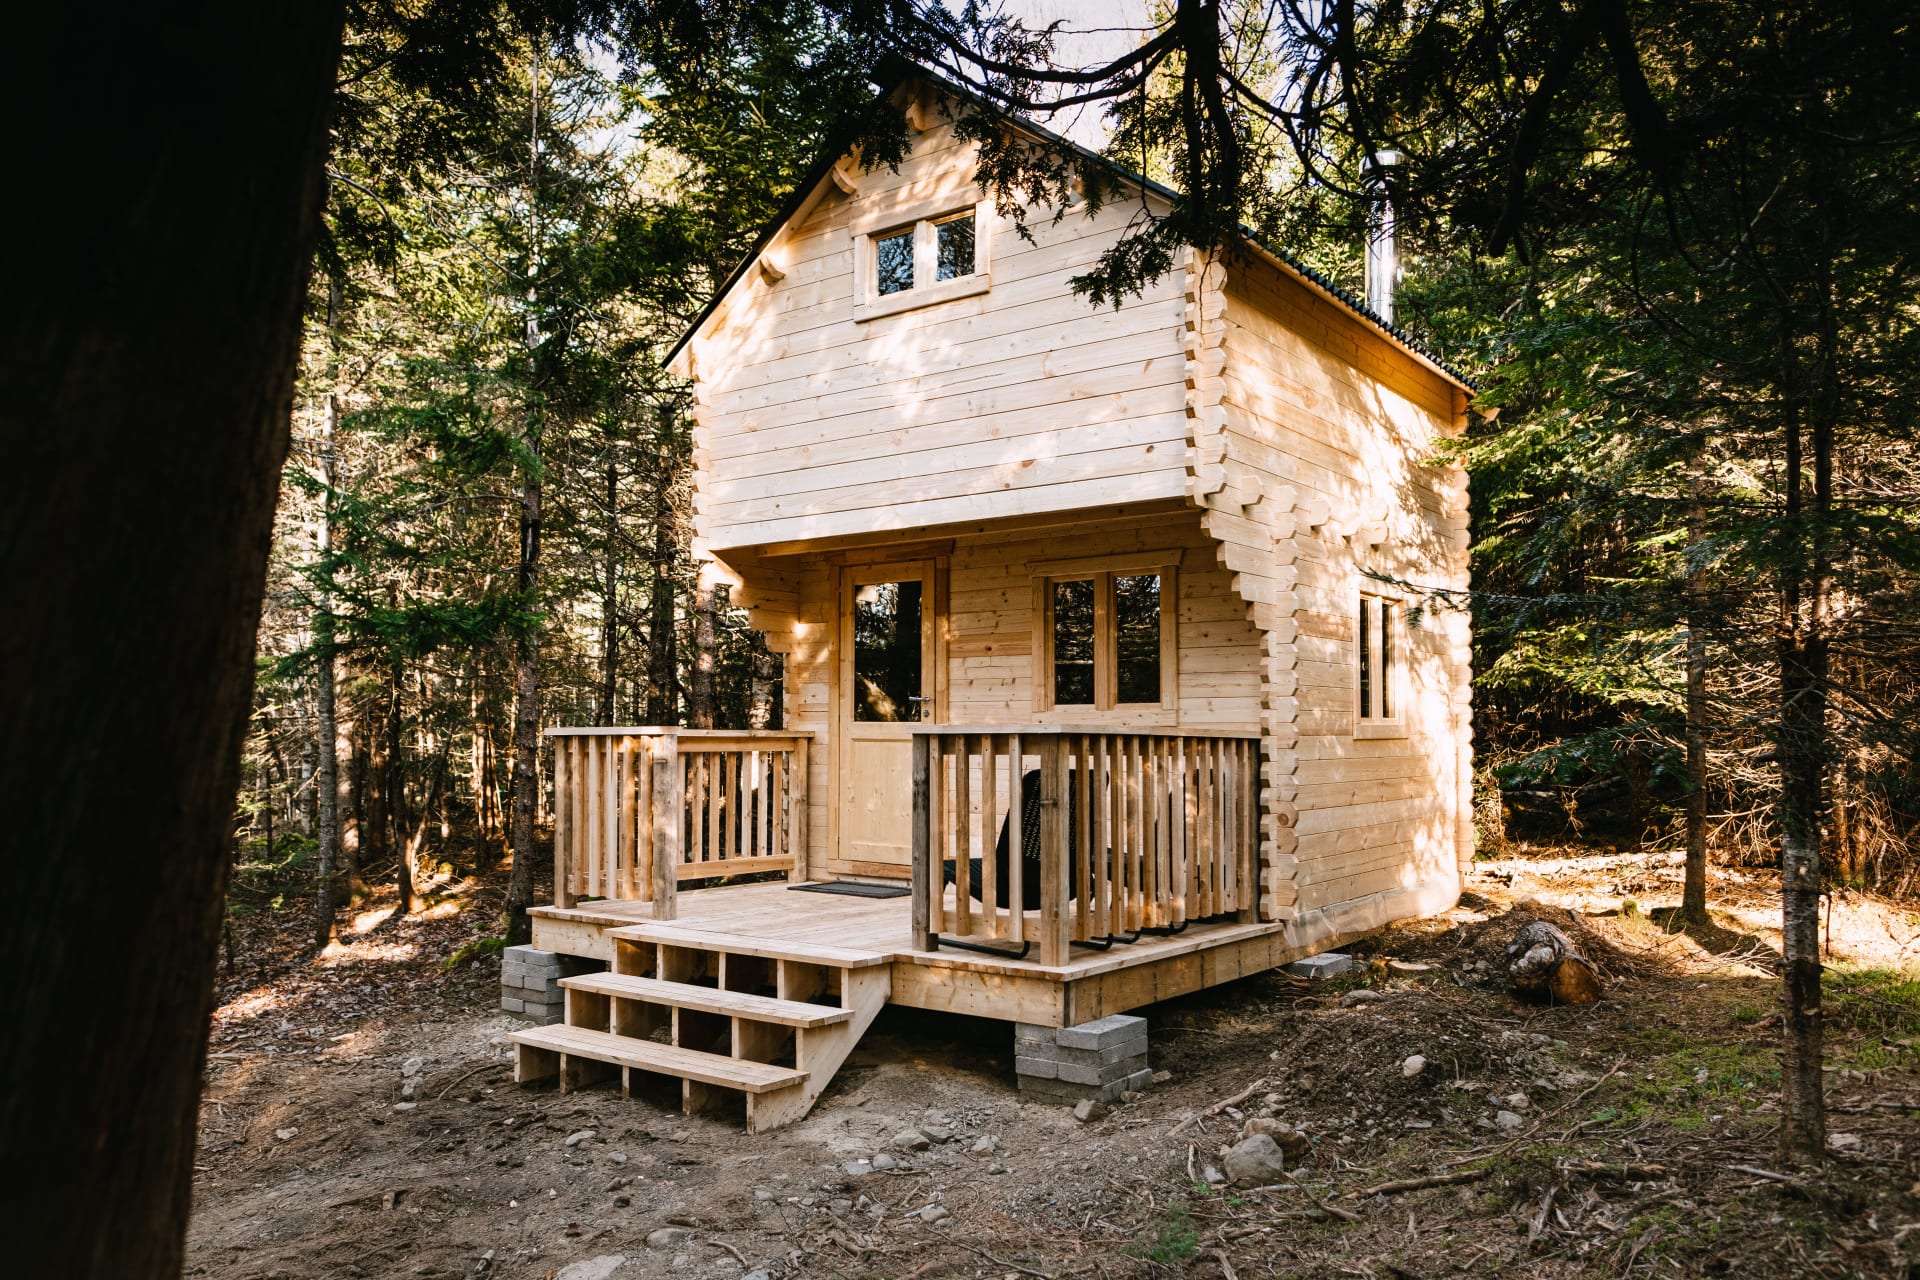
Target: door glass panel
x=886, y=652
x=1073, y=643
x=1136, y=626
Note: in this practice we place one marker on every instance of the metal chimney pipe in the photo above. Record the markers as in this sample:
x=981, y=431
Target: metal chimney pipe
x=1383, y=260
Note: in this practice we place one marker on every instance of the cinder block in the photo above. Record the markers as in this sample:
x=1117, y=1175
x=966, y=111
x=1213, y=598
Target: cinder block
x=1102, y=1033
x=1072, y=1073
x=1124, y=1052
x=512, y=1005
x=1038, y=1068
x=1328, y=964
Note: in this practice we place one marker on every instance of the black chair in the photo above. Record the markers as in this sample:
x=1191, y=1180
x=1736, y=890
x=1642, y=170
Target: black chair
x=1029, y=850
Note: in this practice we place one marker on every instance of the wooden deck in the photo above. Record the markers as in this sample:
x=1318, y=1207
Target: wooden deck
x=778, y=923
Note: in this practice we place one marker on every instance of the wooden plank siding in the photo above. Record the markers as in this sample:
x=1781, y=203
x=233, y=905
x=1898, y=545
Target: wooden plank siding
x=1236, y=418
x=1023, y=398
x=1313, y=457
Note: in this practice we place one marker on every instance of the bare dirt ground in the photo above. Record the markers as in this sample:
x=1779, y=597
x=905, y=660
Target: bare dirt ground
x=360, y=1120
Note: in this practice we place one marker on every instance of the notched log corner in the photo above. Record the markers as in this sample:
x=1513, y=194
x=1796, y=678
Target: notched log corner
x=1544, y=962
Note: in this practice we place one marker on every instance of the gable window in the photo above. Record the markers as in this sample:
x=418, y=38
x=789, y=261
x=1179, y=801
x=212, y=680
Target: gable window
x=893, y=262
x=932, y=259
x=953, y=247
x=1377, y=663
x=1105, y=637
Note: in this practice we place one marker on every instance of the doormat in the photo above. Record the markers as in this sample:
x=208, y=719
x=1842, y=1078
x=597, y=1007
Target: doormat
x=852, y=889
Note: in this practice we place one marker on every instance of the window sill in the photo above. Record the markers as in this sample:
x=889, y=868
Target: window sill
x=909, y=299
x=1380, y=729
x=1135, y=716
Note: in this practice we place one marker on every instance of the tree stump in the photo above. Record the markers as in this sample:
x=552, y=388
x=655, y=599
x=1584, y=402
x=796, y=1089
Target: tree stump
x=1541, y=960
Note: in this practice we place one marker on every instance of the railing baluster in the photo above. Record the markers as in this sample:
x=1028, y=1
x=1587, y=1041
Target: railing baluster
x=1016, y=843
x=989, y=827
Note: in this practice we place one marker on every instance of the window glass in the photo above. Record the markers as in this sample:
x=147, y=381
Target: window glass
x=1136, y=624
x=886, y=652
x=1073, y=642
x=1366, y=658
x=954, y=239
x=893, y=261
x=1386, y=657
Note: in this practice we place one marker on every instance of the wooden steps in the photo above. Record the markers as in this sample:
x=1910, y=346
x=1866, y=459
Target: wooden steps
x=683, y=995
x=678, y=935
x=732, y=1018
x=662, y=1059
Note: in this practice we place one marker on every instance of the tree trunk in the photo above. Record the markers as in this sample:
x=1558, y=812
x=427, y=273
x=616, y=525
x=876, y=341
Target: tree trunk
x=396, y=783
x=526, y=666
x=327, y=775
x=1693, y=894
x=1639, y=793
x=700, y=693
x=353, y=851
x=663, y=657
x=146, y=457
x=610, y=598
x=760, y=692
x=1803, y=749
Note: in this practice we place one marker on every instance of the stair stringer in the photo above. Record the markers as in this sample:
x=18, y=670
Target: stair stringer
x=821, y=1051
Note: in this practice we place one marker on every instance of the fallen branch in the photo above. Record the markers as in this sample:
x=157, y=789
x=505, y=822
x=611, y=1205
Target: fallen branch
x=1421, y=1184
x=1219, y=1106
x=1226, y=1268
x=738, y=1256
x=999, y=1262
x=1769, y=1174
x=474, y=1071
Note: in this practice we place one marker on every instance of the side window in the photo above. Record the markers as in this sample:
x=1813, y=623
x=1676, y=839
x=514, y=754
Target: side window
x=1375, y=658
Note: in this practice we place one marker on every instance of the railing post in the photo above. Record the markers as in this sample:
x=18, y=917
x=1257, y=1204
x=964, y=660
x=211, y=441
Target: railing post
x=797, y=802
x=1053, y=852
x=923, y=877
x=669, y=795
x=563, y=819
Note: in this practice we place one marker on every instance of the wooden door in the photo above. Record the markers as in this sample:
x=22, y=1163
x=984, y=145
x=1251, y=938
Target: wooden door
x=889, y=681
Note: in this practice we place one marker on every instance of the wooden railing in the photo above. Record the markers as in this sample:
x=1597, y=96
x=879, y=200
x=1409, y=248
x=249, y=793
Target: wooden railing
x=638, y=810
x=1170, y=834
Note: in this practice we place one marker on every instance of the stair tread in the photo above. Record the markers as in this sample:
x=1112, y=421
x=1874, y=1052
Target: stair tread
x=675, y=934
x=666, y=1059
x=792, y=1013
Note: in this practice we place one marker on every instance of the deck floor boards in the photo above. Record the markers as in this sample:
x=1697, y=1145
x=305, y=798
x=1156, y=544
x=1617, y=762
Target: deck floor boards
x=774, y=914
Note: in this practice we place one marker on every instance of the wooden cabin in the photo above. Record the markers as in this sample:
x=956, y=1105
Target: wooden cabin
x=1112, y=669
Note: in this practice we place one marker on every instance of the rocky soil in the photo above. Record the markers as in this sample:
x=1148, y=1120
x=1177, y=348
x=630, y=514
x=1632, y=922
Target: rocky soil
x=1412, y=1119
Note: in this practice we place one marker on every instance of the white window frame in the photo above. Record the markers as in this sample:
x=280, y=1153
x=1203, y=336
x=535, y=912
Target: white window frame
x=1103, y=570
x=1394, y=679
x=870, y=304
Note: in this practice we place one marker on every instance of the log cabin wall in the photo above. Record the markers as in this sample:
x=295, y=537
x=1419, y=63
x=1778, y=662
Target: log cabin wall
x=1313, y=458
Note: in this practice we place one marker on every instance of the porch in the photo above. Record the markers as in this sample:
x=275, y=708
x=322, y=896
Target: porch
x=1059, y=874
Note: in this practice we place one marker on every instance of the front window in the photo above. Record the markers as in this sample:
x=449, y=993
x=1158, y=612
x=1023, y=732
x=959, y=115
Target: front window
x=1105, y=636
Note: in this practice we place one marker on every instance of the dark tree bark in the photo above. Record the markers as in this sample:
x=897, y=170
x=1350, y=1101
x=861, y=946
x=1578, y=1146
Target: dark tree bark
x=610, y=598
x=1693, y=894
x=700, y=689
x=395, y=785
x=327, y=775
x=663, y=656
x=526, y=670
x=1802, y=652
x=766, y=672
x=147, y=358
